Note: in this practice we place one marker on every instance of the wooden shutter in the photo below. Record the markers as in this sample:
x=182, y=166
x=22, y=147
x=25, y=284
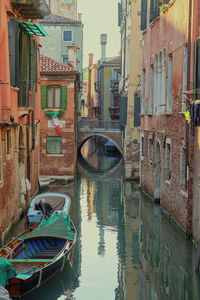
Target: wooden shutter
x=136, y=110
x=143, y=24
x=64, y=97
x=13, y=52
x=123, y=110
x=43, y=96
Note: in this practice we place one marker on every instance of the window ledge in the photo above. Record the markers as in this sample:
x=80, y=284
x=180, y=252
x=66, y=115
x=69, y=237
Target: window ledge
x=57, y=155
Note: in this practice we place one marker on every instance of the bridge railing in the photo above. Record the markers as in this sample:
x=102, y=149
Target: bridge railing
x=98, y=124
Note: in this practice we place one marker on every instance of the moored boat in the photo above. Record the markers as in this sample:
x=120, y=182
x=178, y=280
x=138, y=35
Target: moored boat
x=48, y=204
x=39, y=253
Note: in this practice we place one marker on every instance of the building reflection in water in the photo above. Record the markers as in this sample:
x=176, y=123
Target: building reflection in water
x=166, y=257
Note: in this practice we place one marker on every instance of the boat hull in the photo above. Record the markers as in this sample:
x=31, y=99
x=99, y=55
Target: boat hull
x=19, y=287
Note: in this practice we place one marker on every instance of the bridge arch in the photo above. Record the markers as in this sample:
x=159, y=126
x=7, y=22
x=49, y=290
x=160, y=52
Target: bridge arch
x=88, y=136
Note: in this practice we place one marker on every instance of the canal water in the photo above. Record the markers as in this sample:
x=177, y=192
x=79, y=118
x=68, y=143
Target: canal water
x=127, y=248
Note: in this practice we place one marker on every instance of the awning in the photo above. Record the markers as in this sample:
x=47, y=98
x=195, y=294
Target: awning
x=32, y=28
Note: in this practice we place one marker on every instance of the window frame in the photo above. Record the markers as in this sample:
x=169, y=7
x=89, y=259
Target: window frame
x=168, y=160
x=48, y=138
x=71, y=36
x=54, y=99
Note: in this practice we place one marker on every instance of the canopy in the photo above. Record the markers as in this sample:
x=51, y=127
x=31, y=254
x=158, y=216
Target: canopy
x=32, y=28
x=57, y=225
x=7, y=271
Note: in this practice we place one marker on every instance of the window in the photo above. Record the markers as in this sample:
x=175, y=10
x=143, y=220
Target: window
x=154, y=10
x=169, y=85
x=23, y=63
x=142, y=146
x=183, y=169
x=150, y=142
x=151, y=91
x=65, y=60
x=155, y=83
x=168, y=160
x=143, y=24
x=143, y=89
x=163, y=88
x=67, y=36
x=54, y=145
x=54, y=97
x=8, y=142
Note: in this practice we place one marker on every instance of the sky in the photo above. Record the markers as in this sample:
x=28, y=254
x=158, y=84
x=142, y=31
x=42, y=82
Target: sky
x=99, y=16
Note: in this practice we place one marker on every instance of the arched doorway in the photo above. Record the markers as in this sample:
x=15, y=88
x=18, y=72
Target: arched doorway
x=157, y=177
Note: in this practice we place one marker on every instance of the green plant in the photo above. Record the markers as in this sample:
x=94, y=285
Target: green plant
x=163, y=7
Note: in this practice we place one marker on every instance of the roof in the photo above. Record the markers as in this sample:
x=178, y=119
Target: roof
x=55, y=19
x=49, y=65
x=113, y=61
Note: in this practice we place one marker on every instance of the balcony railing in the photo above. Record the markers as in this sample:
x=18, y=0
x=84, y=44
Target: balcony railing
x=114, y=112
x=114, y=85
x=31, y=9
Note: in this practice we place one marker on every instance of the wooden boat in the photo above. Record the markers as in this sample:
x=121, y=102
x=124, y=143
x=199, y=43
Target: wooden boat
x=47, y=204
x=38, y=253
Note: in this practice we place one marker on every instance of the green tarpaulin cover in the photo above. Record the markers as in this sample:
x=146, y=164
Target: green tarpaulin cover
x=54, y=226
x=7, y=271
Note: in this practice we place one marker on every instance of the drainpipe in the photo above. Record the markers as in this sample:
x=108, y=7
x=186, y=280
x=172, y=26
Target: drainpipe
x=187, y=133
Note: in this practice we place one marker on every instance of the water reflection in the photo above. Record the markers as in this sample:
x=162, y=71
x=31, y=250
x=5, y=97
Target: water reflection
x=127, y=248
x=166, y=257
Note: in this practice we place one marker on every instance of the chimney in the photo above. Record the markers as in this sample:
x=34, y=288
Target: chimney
x=90, y=59
x=79, y=17
x=72, y=55
x=103, y=41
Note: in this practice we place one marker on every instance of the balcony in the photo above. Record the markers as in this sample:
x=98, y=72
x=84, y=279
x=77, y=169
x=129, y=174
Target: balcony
x=97, y=86
x=114, y=85
x=97, y=111
x=31, y=9
x=114, y=112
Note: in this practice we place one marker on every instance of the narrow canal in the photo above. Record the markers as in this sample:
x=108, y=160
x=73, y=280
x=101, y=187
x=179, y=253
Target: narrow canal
x=127, y=248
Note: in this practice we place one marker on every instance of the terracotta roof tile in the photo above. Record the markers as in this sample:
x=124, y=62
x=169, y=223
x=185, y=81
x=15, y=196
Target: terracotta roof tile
x=54, y=19
x=48, y=65
x=114, y=60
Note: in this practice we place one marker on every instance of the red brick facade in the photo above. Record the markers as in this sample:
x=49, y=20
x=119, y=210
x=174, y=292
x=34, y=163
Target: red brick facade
x=62, y=163
x=165, y=138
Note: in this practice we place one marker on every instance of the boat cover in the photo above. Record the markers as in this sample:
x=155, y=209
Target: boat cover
x=56, y=203
x=55, y=226
x=7, y=271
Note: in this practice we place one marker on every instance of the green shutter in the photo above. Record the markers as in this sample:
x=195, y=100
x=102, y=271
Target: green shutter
x=143, y=24
x=43, y=96
x=13, y=52
x=64, y=97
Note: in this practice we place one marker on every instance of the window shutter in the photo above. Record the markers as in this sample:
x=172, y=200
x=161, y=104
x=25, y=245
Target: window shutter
x=13, y=52
x=123, y=110
x=43, y=96
x=64, y=97
x=143, y=25
x=136, y=110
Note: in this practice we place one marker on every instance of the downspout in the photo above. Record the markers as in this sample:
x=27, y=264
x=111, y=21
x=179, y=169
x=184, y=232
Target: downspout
x=188, y=178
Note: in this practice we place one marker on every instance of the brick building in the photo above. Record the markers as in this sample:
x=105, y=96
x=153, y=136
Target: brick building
x=19, y=113
x=166, y=142
x=60, y=84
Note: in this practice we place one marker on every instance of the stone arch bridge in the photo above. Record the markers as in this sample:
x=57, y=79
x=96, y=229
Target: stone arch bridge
x=106, y=129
